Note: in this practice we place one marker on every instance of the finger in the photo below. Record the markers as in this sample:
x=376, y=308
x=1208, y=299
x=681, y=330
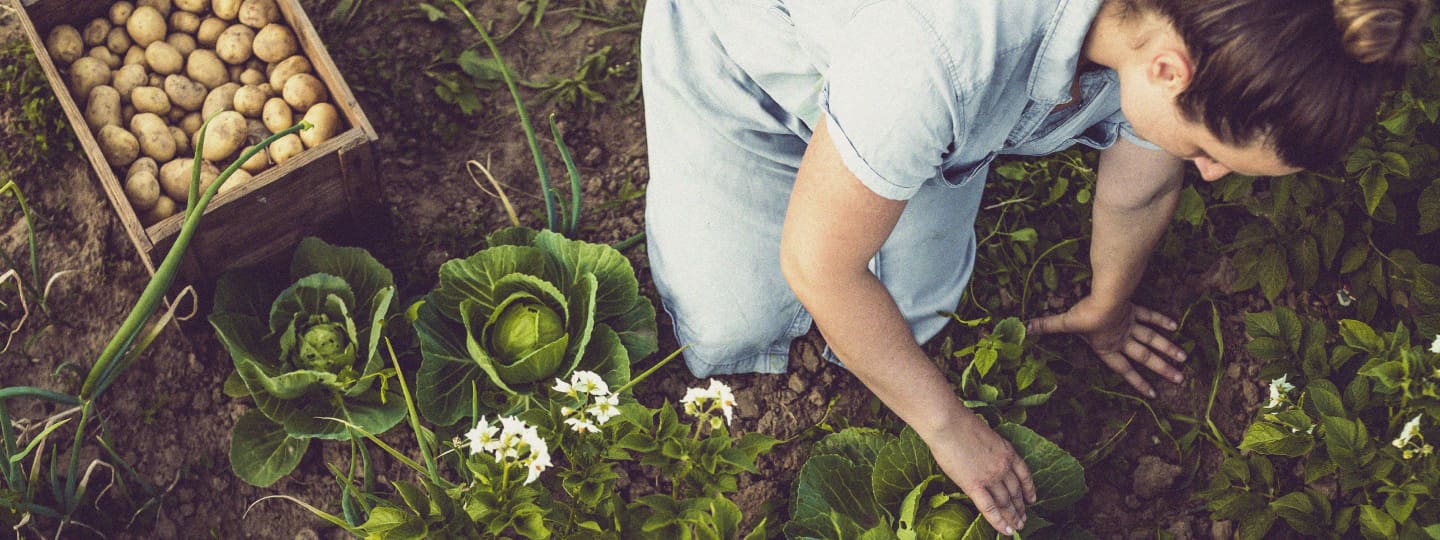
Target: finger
x=1155, y=318
x=1006, y=505
x=1027, y=484
x=1143, y=355
x=1121, y=365
x=1017, y=497
x=988, y=508
x=1051, y=324
x=1154, y=340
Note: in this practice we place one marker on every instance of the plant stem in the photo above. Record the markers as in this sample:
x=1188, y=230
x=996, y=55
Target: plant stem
x=573, y=226
x=650, y=371
x=430, y=466
x=35, y=289
x=540, y=168
x=628, y=242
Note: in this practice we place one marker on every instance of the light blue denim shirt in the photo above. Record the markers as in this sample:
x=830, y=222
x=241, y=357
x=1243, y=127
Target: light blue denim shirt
x=918, y=91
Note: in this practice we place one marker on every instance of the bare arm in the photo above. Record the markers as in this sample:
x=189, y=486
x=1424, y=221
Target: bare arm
x=1136, y=194
x=833, y=226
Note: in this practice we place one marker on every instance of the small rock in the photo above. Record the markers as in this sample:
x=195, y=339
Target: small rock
x=1222, y=530
x=593, y=156
x=164, y=528
x=1181, y=530
x=307, y=534
x=1252, y=393
x=817, y=400
x=1132, y=502
x=187, y=510
x=1233, y=371
x=746, y=402
x=1153, y=476
x=796, y=383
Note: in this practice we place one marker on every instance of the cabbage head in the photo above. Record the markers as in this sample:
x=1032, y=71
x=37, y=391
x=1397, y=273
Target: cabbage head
x=532, y=307
x=306, y=352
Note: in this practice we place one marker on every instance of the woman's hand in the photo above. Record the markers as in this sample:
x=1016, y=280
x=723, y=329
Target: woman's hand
x=1120, y=335
x=987, y=468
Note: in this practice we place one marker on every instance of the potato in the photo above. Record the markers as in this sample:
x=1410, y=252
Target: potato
x=160, y=6
x=285, y=148
x=258, y=14
x=206, y=68
x=327, y=123
x=163, y=58
x=286, y=68
x=225, y=135
x=155, y=79
x=154, y=136
x=143, y=191
x=210, y=30
x=184, y=22
x=184, y=43
x=251, y=77
x=191, y=123
x=176, y=114
x=258, y=162
x=150, y=99
x=275, y=43
x=249, y=101
x=87, y=73
x=126, y=113
x=118, y=41
x=191, y=6
x=235, y=72
x=303, y=90
x=102, y=108
x=119, y=146
x=120, y=12
x=65, y=44
x=226, y=9
x=238, y=178
x=143, y=164
x=235, y=44
x=127, y=79
x=182, y=141
x=255, y=131
x=185, y=93
x=219, y=99
x=146, y=25
x=134, y=56
x=277, y=115
x=96, y=32
x=268, y=90
x=105, y=56
x=175, y=177
x=164, y=208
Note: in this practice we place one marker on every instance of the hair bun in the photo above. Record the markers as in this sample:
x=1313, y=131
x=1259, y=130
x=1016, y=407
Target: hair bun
x=1381, y=31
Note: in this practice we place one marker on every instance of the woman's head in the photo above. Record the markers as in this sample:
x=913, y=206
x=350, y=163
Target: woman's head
x=1301, y=78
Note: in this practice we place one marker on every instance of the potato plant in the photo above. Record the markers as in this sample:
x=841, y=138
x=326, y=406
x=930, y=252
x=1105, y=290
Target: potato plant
x=149, y=73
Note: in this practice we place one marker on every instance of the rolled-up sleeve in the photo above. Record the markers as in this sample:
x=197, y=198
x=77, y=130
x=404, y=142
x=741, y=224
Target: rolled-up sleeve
x=890, y=100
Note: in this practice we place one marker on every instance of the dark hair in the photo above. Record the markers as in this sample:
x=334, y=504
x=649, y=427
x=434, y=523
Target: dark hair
x=1305, y=75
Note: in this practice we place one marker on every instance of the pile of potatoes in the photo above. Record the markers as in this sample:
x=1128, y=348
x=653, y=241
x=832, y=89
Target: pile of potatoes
x=149, y=74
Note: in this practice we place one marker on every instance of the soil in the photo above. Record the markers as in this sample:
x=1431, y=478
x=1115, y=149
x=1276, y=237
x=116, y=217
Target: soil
x=169, y=419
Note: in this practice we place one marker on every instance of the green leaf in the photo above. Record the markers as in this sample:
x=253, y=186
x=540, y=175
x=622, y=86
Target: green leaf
x=1059, y=478
x=444, y=383
x=617, y=286
x=260, y=450
x=948, y=521
x=1192, y=207
x=1272, y=439
x=1359, y=335
x=1299, y=511
x=432, y=13
x=1305, y=260
x=355, y=266
x=832, y=499
x=474, y=277
x=1347, y=442
x=394, y=524
x=1429, y=207
x=1272, y=271
x=859, y=445
x=1400, y=505
x=1395, y=163
x=1326, y=398
x=1332, y=234
x=1353, y=258
x=901, y=464
x=980, y=529
x=1375, y=524
x=1373, y=185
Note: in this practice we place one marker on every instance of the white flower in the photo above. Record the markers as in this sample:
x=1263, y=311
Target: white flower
x=581, y=425
x=694, y=395
x=563, y=387
x=1343, y=297
x=605, y=408
x=721, y=392
x=590, y=383
x=566, y=411
x=482, y=438
x=1435, y=347
x=538, y=463
x=1411, y=429
x=1278, y=389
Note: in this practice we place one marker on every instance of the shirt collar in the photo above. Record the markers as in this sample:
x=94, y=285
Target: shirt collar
x=1060, y=50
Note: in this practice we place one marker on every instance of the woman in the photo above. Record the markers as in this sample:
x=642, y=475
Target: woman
x=824, y=160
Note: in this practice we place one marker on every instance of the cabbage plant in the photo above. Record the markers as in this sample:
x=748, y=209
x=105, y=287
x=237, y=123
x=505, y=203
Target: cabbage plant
x=307, y=353
x=532, y=307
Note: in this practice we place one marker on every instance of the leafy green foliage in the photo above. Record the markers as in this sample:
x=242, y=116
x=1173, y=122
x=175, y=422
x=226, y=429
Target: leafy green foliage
x=468, y=339
x=34, y=125
x=863, y=483
x=1001, y=380
x=309, y=355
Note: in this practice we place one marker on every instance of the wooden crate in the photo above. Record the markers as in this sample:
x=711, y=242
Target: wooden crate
x=258, y=219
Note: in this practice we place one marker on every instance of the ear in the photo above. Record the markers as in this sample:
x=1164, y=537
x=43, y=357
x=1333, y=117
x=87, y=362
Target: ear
x=1170, y=69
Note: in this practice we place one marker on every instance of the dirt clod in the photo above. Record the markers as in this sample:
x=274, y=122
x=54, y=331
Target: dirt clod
x=1153, y=476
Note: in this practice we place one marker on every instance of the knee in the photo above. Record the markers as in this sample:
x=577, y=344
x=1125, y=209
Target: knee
x=726, y=340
